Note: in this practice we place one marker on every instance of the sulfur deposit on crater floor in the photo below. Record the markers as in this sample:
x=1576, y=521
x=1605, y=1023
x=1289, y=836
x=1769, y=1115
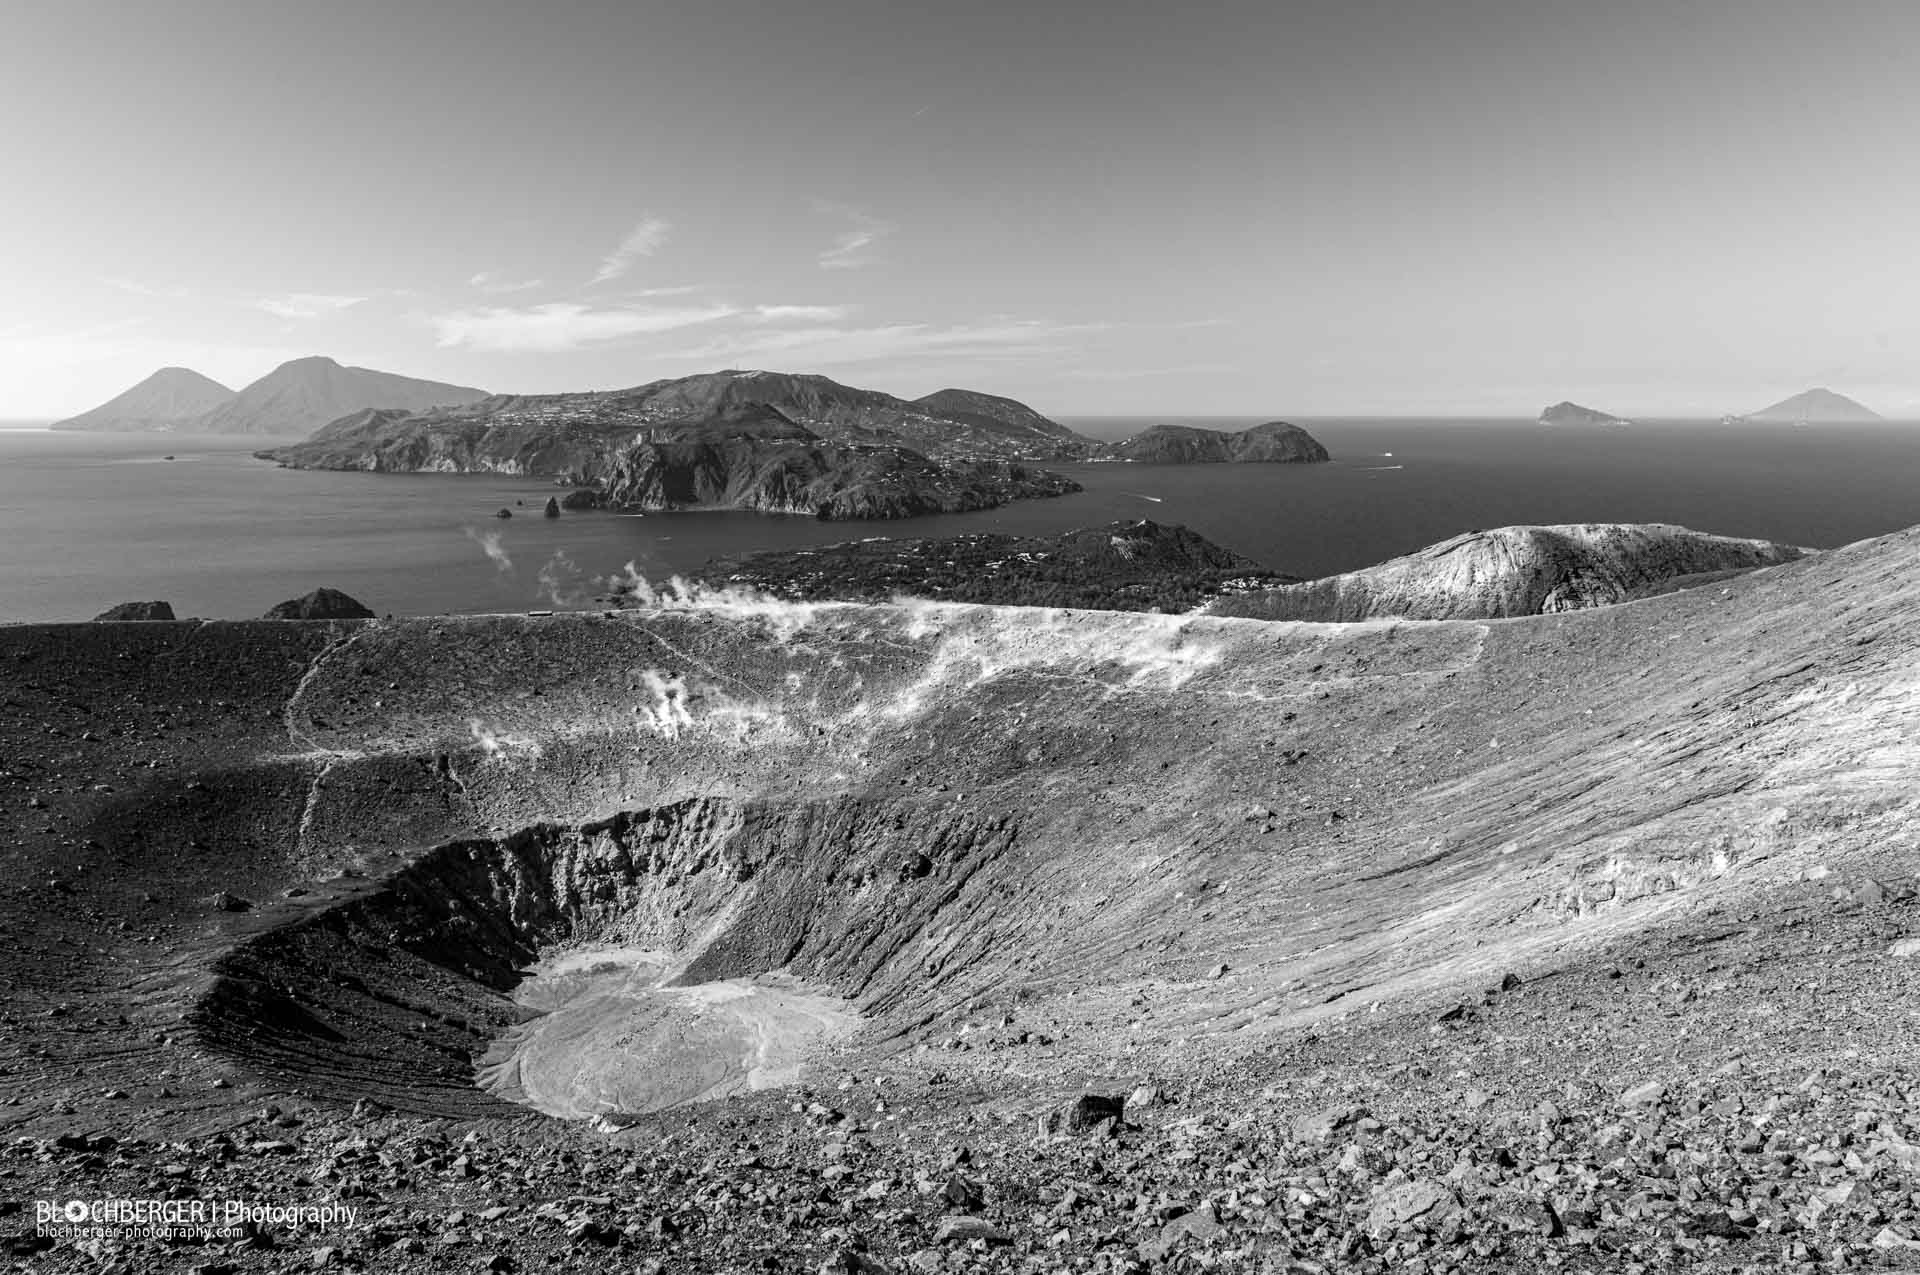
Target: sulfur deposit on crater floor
x=1580, y=939
x=611, y=1039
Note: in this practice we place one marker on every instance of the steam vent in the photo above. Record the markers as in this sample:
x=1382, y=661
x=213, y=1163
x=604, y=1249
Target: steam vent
x=1012, y=897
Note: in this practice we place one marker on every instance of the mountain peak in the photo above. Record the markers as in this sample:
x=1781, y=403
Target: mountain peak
x=301, y=395
x=167, y=399
x=1816, y=405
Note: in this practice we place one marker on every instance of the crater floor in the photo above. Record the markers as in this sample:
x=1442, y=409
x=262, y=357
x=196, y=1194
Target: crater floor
x=610, y=1040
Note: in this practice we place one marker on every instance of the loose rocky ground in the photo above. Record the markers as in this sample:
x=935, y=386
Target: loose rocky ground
x=1580, y=942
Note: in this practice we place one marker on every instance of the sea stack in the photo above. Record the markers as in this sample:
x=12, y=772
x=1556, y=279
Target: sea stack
x=135, y=611
x=553, y=508
x=321, y=604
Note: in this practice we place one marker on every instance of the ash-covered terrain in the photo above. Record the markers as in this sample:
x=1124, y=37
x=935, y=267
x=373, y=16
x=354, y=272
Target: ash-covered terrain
x=1068, y=940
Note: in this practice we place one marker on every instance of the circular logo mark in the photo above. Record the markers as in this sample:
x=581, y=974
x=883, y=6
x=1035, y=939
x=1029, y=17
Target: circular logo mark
x=76, y=1210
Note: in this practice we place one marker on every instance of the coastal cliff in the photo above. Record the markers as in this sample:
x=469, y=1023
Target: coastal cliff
x=1272, y=442
x=1511, y=571
x=767, y=442
x=746, y=456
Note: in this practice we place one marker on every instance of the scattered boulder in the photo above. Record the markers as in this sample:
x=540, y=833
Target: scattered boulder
x=226, y=901
x=1650, y=1094
x=1320, y=1126
x=582, y=498
x=135, y=611
x=1202, y=1225
x=967, y=1229
x=321, y=604
x=1419, y=1204
x=504, y=513
x=1145, y=1097
x=1084, y=1114
x=552, y=509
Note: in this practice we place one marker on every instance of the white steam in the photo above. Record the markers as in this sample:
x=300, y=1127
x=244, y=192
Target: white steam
x=497, y=744
x=490, y=544
x=564, y=584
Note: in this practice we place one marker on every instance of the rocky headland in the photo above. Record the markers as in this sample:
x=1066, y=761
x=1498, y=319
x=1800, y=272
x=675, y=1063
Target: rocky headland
x=1512, y=571
x=1273, y=442
x=766, y=442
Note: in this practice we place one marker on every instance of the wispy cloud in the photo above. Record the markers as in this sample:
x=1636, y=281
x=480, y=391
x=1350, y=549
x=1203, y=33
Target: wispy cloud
x=564, y=325
x=140, y=289
x=677, y=290
x=642, y=241
x=800, y=313
x=853, y=248
x=306, y=305
x=825, y=346
x=1142, y=373
x=492, y=282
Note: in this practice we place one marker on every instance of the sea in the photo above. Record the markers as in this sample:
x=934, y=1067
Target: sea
x=91, y=520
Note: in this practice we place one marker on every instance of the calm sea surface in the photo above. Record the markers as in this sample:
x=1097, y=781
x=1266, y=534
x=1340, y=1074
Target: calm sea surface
x=87, y=521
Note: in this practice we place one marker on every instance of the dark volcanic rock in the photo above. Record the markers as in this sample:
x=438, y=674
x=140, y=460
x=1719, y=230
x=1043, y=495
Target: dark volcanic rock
x=582, y=498
x=1090, y=1110
x=552, y=509
x=1273, y=442
x=755, y=458
x=321, y=604
x=137, y=611
x=1123, y=566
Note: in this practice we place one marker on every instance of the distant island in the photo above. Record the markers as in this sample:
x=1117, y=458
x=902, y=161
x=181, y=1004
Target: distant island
x=768, y=442
x=1815, y=407
x=1272, y=442
x=1564, y=413
x=771, y=442
x=166, y=400
x=293, y=400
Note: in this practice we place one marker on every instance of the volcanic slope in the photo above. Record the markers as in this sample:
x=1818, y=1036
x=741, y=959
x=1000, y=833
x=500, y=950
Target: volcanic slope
x=166, y=400
x=264, y=871
x=1513, y=571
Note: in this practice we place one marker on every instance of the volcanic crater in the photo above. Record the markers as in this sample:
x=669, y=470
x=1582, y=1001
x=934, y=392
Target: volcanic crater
x=949, y=848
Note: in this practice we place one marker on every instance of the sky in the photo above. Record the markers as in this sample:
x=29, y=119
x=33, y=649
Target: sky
x=1348, y=207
